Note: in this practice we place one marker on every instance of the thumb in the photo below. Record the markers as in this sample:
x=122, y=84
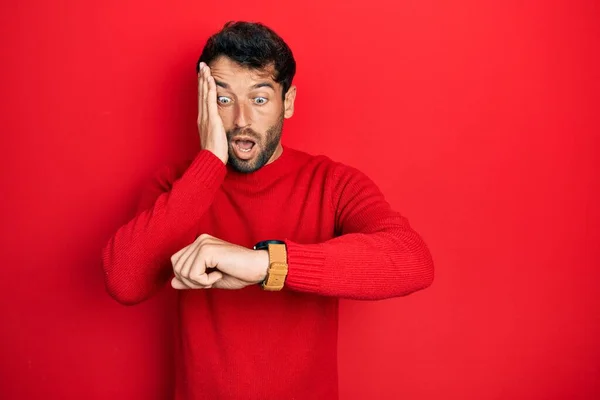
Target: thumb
x=177, y=284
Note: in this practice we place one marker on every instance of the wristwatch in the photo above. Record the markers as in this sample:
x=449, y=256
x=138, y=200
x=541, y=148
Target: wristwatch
x=278, y=266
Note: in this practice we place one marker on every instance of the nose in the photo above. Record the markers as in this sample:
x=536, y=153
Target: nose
x=242, y=115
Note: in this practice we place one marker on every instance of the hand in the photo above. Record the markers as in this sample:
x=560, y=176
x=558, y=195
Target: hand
x=210, y=125
x=213, y=263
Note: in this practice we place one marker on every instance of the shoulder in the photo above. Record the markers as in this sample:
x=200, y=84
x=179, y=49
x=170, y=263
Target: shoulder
x=322, y=163
x=335, y=173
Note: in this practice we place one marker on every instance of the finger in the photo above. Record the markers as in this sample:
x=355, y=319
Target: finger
x=206, y=280
x=187, y=259
x=212, y=97
x=200, y=91
x=177, y=284
x=187, y=263
x=189, y=284
x=206, y=74
x=176, y=259
x=196, y=265
x=182, y=285
x=182, y=269
x=180, y=263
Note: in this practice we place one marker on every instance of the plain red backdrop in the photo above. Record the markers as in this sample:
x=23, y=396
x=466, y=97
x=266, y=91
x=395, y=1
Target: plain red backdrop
x=479, y=120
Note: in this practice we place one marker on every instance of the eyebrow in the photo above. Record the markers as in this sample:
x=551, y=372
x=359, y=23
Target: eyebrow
x=257, y=86
x=221, y=84
x=263, y=84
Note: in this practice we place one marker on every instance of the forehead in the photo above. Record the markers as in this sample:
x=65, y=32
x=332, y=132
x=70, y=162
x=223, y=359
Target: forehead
x=239, y=77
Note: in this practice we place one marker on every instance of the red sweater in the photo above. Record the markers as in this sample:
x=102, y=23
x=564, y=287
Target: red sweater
x=343, y=241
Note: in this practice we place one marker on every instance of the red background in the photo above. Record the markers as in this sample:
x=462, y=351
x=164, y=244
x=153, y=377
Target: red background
x=479, y=120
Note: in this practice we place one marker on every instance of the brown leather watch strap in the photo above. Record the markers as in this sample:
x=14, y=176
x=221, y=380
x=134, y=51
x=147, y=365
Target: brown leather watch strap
x=278, y=268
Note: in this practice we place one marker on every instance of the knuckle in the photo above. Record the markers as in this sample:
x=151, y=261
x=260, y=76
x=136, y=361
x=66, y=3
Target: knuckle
x=181, y=272
x=203, y=238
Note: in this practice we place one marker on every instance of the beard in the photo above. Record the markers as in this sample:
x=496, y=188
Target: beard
x=267, y=144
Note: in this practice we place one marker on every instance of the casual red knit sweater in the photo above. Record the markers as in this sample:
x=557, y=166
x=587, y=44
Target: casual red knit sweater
x=343, y=241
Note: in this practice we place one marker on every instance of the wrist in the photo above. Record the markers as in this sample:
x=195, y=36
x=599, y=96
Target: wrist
x=277, y=268
x=221, y=153
x=220, y=157
x=262, y=263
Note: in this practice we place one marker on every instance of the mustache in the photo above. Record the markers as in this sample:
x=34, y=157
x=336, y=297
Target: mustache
x=242, y=132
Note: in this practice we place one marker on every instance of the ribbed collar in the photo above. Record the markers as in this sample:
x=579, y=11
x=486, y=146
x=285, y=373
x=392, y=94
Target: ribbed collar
x=267, y=174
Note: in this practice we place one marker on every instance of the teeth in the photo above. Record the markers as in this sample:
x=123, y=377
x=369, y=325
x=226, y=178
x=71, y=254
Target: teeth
x=244, y=150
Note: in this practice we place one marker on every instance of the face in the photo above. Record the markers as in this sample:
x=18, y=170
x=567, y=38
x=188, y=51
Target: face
x=252, y=109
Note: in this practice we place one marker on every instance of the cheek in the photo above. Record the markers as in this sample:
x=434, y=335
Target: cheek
x=226, y=117
x=266, y=116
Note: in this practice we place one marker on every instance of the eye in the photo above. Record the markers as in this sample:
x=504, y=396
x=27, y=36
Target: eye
x=223, y=100
x=260, y=100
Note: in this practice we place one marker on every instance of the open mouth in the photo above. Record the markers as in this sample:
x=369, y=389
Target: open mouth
x=244, y=147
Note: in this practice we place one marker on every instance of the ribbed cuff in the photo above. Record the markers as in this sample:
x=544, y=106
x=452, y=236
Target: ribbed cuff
x=207, y=169
x=305, y=266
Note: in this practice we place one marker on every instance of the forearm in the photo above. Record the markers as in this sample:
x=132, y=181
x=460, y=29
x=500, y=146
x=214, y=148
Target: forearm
x=361, y=266
x=136, y=259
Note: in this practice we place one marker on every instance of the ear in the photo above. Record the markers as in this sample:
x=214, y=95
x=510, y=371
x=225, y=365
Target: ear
x=290, y=97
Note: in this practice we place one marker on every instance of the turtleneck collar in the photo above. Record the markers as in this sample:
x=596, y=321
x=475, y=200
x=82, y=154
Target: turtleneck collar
x=266, y=174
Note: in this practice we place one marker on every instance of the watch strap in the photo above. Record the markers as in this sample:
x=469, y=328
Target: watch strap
x=278, y=267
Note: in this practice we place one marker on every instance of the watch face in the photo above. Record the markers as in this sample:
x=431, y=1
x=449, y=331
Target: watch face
x=265, y=244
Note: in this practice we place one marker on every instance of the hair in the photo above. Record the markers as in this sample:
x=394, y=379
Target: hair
x=252, y=45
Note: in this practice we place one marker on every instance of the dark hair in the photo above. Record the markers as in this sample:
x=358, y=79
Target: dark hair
x=252, y=45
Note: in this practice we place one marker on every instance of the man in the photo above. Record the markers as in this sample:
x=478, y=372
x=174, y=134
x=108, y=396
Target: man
x=325, y=232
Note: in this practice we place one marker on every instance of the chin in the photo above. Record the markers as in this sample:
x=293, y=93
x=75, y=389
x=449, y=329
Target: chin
x=245, y=166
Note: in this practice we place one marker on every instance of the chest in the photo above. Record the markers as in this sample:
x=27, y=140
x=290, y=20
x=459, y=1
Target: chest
x=299, y=209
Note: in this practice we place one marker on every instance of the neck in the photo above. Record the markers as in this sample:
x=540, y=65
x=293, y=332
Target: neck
x=278, y=165
x=276, y=154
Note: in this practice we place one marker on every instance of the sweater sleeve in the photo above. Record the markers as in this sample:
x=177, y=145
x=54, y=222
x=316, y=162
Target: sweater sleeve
x=375, y=254
x=137, y=258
